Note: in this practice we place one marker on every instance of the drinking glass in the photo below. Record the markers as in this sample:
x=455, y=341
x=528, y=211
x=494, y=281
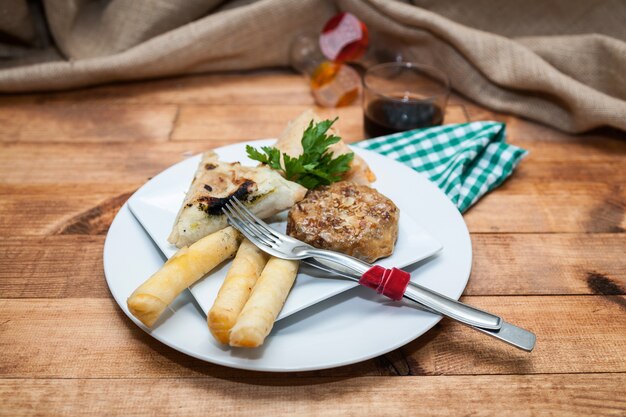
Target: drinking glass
x=400, y=96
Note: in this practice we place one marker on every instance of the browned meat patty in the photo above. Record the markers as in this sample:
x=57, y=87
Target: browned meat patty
x=345, y=217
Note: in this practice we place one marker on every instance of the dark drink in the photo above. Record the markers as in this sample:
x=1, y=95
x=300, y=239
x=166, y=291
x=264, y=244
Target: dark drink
x=401, y=96
x=385, y=116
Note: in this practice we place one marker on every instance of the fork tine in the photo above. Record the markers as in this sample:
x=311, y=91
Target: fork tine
x=246, y=214
x=239, y=225
x=260, y=230
x=253, y=218
x=244, y=228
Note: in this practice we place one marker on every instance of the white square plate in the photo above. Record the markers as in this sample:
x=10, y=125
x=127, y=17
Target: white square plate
x=156, y=204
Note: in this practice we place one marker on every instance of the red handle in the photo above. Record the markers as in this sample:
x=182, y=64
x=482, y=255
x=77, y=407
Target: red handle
x=389, y=282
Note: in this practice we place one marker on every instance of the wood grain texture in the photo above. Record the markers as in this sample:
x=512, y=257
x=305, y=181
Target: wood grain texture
x=92, y=338
x=249, y=122
x=550, y=207
x=517, y=207
x=104, y=163
x=45, y=210
x=536, y=395
x=504, y=264
x=548, y=251
x=86, y=122
x=534, y=169
x=574, y=334
x=260, y=87
x=52, y=267
x=518, y=264
x=239, y=122
x=26, y=163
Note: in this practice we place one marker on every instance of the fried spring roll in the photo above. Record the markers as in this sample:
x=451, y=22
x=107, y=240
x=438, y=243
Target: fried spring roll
x=235, y=291
x=268, y=296
x=187, y=266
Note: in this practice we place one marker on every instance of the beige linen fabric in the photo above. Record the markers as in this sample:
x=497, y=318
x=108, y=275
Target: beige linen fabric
x=562, y=62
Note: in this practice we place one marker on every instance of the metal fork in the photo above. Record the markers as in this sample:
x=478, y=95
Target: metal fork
x=282, y=246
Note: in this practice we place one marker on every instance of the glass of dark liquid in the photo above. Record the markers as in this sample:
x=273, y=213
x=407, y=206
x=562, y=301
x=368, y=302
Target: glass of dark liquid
x=400, y=96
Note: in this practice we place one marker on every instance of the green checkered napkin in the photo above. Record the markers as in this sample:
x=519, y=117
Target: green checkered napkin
x=465, y=160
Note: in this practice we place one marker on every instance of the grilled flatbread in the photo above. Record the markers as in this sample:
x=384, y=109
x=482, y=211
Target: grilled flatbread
x=290, y=142
x=260, y=188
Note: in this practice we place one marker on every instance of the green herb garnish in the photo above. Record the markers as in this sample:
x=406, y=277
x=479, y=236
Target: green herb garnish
x=316, y=166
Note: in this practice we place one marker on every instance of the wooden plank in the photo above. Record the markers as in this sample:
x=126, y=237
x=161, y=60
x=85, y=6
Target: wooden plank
x=517, y=207
x=60, y=209
x=574, y=334
x=237, y=122
x=548, y=144
x=86, y=122
x=604, y=163
x=58, y=321
x=92, y=338
x=550, y=207
x=575, y=150
x=518, y=264
x=504, y=264
x=553, y=395
x=534, y=169
x=561, y=197
x=29, y=163
x=52, y=267
x=272, y=87
x=261, y=90
x=268, y=87
x=116, y=162
x=567, y=210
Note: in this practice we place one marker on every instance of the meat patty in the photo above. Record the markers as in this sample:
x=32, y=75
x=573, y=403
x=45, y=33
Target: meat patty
x=345, y=217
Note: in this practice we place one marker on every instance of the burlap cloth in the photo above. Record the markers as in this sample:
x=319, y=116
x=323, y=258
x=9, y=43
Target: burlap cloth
x=562, y=62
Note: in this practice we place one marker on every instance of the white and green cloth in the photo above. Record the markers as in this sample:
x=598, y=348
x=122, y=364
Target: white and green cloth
x=465, y=160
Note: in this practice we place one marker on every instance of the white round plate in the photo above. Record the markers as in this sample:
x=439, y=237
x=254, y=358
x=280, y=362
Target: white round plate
x=350, y=327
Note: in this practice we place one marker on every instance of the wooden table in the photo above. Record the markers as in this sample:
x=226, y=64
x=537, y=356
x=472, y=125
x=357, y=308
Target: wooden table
x=549, y=255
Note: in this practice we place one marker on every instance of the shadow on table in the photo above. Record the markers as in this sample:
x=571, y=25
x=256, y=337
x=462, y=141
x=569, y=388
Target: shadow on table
x=446, y=349
x=192, y=367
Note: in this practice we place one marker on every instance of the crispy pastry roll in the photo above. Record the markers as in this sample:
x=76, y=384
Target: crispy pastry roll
x=268, y=296
x=235, y=291
x=187, y=266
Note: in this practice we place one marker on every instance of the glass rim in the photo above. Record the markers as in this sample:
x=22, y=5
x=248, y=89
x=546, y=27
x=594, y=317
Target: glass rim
x=408, y=65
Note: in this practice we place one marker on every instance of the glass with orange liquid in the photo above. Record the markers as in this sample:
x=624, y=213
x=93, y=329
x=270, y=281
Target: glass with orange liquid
x=333, y=84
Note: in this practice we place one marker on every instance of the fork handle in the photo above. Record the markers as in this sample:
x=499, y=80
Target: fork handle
x=395, y=284
x=449, y=307
x=508, y=333
x=433, y=300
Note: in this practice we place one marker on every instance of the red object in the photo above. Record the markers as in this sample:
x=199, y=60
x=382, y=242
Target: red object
x=388, y=282
x=344, y=38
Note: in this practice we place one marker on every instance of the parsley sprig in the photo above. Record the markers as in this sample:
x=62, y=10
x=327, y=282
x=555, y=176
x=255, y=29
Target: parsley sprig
x=316, y=166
